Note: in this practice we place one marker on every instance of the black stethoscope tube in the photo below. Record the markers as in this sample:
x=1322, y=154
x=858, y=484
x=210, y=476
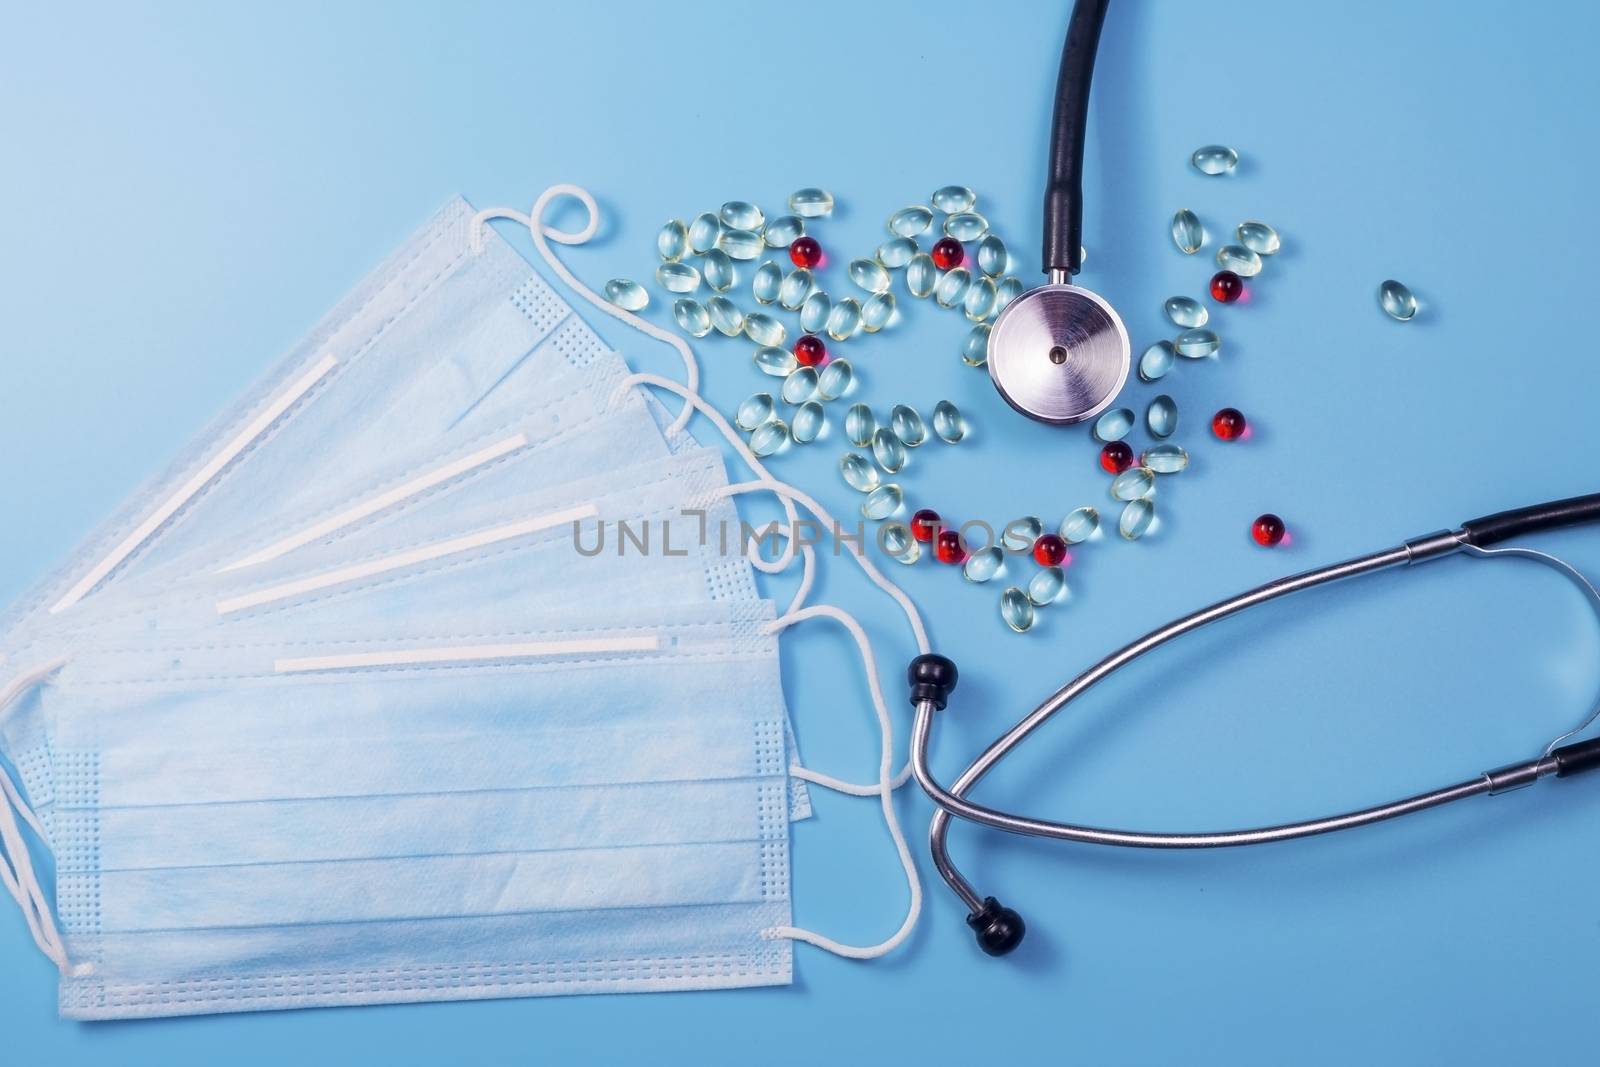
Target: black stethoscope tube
x=1063, y=191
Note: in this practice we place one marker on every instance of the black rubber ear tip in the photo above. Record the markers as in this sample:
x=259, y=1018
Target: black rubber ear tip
x=931, y=678
x=999, y=929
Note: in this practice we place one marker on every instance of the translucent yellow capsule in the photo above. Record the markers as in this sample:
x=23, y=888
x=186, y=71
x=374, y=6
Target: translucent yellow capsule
x=1197, y=344
x=869, y=275
x=888, y=450
x=692, y=316
x=858, y=472
x=1135, y=483
x=725, y=316
x=883, y=502
x=1156, y=361
x=741, y=215
x=1008, y=290
x=984, y=564
x=808, y=422
x=811, y=203
x=765, y=285
x=844, y=319
x=966, y=226
x=740, y=244
x=910, y=221
x=795, y=288
x=1048, y=585
x=1186, y=312
x=896, y=252
x=672, y=241
x=753, y=411
x=1259, y=238
x=975, y=349
x=1164, y=459
x=1079, y=525
x=1187, y=232
x=799, y=386
x=907, y=425
x=783, y=231
x=921, y=275
x=1214, y=159
x=1137, y=515
x=952, y=287
x=993, y=259
x=834, y=380
x=763, y=329
x=771, y=359
x=979, y=301
x=898, y=544
x=769, y=437
x=1397, y=301
x=627, y=294
x=1020, y=534
x=954, y=199
x=814, y=312
x=948, y=422
x=1114, y=425
x=859, y=425
x=718, y=270
x=704, y=231
x=1161, y=417
x=1016, y=610
x=677, y=277
x=877, y=312
x=1240, y=260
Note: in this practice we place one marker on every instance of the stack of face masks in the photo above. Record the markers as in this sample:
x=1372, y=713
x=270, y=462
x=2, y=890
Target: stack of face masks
x=435, y=669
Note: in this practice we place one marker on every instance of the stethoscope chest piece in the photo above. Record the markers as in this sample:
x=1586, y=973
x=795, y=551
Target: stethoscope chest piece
x=1059, y=354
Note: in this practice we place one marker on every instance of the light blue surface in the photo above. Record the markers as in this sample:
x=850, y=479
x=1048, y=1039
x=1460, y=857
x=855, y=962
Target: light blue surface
x=189, y=187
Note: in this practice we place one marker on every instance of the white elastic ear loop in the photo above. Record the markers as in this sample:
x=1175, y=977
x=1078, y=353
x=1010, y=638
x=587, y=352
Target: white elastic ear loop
x=885, y=799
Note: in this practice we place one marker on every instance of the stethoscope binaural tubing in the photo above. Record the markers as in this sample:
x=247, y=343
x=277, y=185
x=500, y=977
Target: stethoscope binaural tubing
x=999, y=929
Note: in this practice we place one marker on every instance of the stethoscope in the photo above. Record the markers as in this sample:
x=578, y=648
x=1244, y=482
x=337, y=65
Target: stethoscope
x=999, y=929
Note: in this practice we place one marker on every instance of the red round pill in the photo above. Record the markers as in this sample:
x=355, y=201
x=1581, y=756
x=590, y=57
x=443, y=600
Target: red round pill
x=948, y=253
x=925, y=525
x=809, y=350
x=948, y=547
x=1049, y=551
x=1116, y=457
x=1226, y=286
x=1228, y=424
x=1268, y=530
x=805, y=252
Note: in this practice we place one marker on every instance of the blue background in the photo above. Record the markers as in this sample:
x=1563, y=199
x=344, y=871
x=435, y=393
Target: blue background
x=187, y=187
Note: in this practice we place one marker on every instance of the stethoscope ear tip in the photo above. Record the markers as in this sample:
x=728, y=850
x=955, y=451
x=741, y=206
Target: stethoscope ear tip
x=998, y=929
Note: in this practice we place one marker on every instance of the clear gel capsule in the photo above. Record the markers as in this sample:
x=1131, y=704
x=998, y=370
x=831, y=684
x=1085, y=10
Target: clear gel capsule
x=796, y=288
x=993, y=259
x=1047, y=586
x=672, y=241
x=910, y=221
x=1137, y=515
x=948, y=422
x=740, y=244
x=814, y=312
x=896, y=252
x=859, y=425
x=844, y=319
x=1156, y=361
x=858, y=472
x=1135, y=483
x=704, y=231
x=1008, y=289
x=954, y=199
x=1020, y=534
x=1186, y=312
x=896, y=539
x=907, y=425
x=921, y=275
x=980, y=299
x=1197, y=344
x=877, y=312
x=725, y=316
x=692, y=316
x=833, y=381
x=888, y=450
x=1259, y=238
x=984, y=564
x=869, y=275
x=1016, y=610
x=1079, y=525
x=627, y=294
x=975, y=349
x=741, y=215
x=1161, y=417
x=677, y=277
x=783, y=231
x=753, y=411
x=807, y=423
x=1214, y=159
x=966, y=226
x=718, y=270
x=952, y=287
x=1187, y=233
x=769, y=437
x=1240, y=260
x=799, y=386
x=811, y=203
x=763, y=329
x=883, y=502
x=1397, y=301
x=1114, y=425
x=771, y=359
x=1164, y=459
x=768, y=280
